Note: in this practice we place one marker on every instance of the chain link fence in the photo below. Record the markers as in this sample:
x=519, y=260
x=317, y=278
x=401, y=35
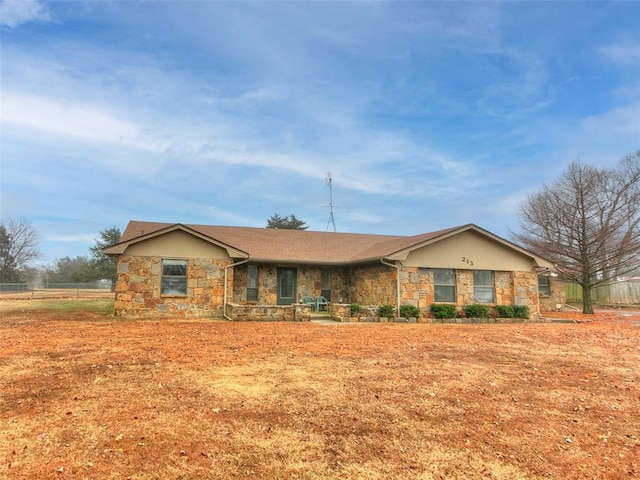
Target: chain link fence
x=14, y=287
x=43, y=287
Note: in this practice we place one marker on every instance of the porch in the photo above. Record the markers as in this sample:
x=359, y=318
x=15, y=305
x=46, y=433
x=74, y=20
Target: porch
x=296, y=312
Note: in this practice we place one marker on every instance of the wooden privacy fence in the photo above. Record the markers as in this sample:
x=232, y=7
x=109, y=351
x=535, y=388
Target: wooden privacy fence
x=621, y=293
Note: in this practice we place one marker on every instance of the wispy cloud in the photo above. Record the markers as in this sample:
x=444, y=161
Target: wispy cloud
x=623, y=53
x=83, y=121
x=14, y=13
x=80, y=238
x=237, y=129
x=615, y=123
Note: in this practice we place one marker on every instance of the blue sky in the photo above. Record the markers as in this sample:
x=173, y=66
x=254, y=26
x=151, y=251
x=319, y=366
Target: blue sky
x=428, y=115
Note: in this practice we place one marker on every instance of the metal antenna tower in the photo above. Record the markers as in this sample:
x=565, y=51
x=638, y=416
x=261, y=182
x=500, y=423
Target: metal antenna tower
x=331, y=219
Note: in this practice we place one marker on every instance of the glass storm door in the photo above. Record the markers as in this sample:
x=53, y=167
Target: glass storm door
x=287, y=285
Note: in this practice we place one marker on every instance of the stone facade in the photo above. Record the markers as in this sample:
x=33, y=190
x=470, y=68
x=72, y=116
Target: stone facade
x=308, y=282
x=370, y=285
x=557, y=297
x=417, y=287
x=267, y=285
x=511, y=288
x=525, y=289
x=296, y=312
x=138, y=288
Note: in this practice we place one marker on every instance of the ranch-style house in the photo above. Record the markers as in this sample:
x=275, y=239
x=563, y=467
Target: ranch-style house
x=243, y=273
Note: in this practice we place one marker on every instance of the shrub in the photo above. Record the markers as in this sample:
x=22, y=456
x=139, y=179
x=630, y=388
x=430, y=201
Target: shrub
x=408, y=311
x=521, y=311
x=386, y=311
x=505, y=311
x=443, y=310
x=476, y=310
x=355, y=308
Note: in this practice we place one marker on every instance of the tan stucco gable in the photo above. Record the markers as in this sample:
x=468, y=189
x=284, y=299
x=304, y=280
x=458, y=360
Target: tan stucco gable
x=470, y=247
x=175, y=241
x=178, y=244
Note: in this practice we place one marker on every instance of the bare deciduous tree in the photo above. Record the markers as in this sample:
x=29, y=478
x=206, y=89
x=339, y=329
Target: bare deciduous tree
x=587, y=223
x=18, y=247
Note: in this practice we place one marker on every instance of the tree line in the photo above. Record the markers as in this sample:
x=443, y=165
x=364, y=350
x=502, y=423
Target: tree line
x=19, y=247
x=85, y=269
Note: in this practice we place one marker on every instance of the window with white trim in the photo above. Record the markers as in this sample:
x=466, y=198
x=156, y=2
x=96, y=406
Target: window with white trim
x=483, y=286
x=174, y=277
x=444, y=285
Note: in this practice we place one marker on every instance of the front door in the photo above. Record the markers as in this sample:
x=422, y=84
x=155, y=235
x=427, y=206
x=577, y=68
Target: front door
x=287, y=285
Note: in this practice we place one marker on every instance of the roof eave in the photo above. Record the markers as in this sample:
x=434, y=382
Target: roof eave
x=120, y=248
x=401, y=255
x=293, y=261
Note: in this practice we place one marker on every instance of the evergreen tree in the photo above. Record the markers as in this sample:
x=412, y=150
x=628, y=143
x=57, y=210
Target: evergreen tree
x=286, y=222
x=103, y=265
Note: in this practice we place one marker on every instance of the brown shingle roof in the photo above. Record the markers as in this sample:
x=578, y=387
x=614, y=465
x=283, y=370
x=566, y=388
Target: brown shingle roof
x=299, y=246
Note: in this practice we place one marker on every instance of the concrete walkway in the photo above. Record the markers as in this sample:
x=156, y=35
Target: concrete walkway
x=327, y=321
x=323, y=318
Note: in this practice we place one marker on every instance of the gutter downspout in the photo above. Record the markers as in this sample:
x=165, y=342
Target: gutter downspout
x=397, y=267
x=539, y=313
x=224, y=302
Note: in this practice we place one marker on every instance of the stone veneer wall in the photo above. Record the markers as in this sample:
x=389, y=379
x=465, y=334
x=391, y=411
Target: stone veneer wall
x=418, y=287
x=464, y=287
x=296, y=312
x=525, y=287
x=339, y=284
x=309, y=282
x=510, y=288
x=372, y=284
x=138, y=288
x=557, y=297
x=267, y=284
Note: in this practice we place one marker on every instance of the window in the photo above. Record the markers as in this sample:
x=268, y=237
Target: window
x=325, y=283
x=252, y=283
x=174, y=277
x=544, y=286
x=444, y=285
x=483, y=286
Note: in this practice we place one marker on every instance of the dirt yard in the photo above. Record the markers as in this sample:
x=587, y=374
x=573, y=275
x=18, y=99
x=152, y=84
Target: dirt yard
x=86, y=396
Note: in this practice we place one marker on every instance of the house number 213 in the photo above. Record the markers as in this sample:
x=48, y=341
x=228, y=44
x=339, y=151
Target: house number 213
x=467, y=261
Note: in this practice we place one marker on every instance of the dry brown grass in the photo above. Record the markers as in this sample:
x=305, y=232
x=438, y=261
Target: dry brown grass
x=88, y=396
